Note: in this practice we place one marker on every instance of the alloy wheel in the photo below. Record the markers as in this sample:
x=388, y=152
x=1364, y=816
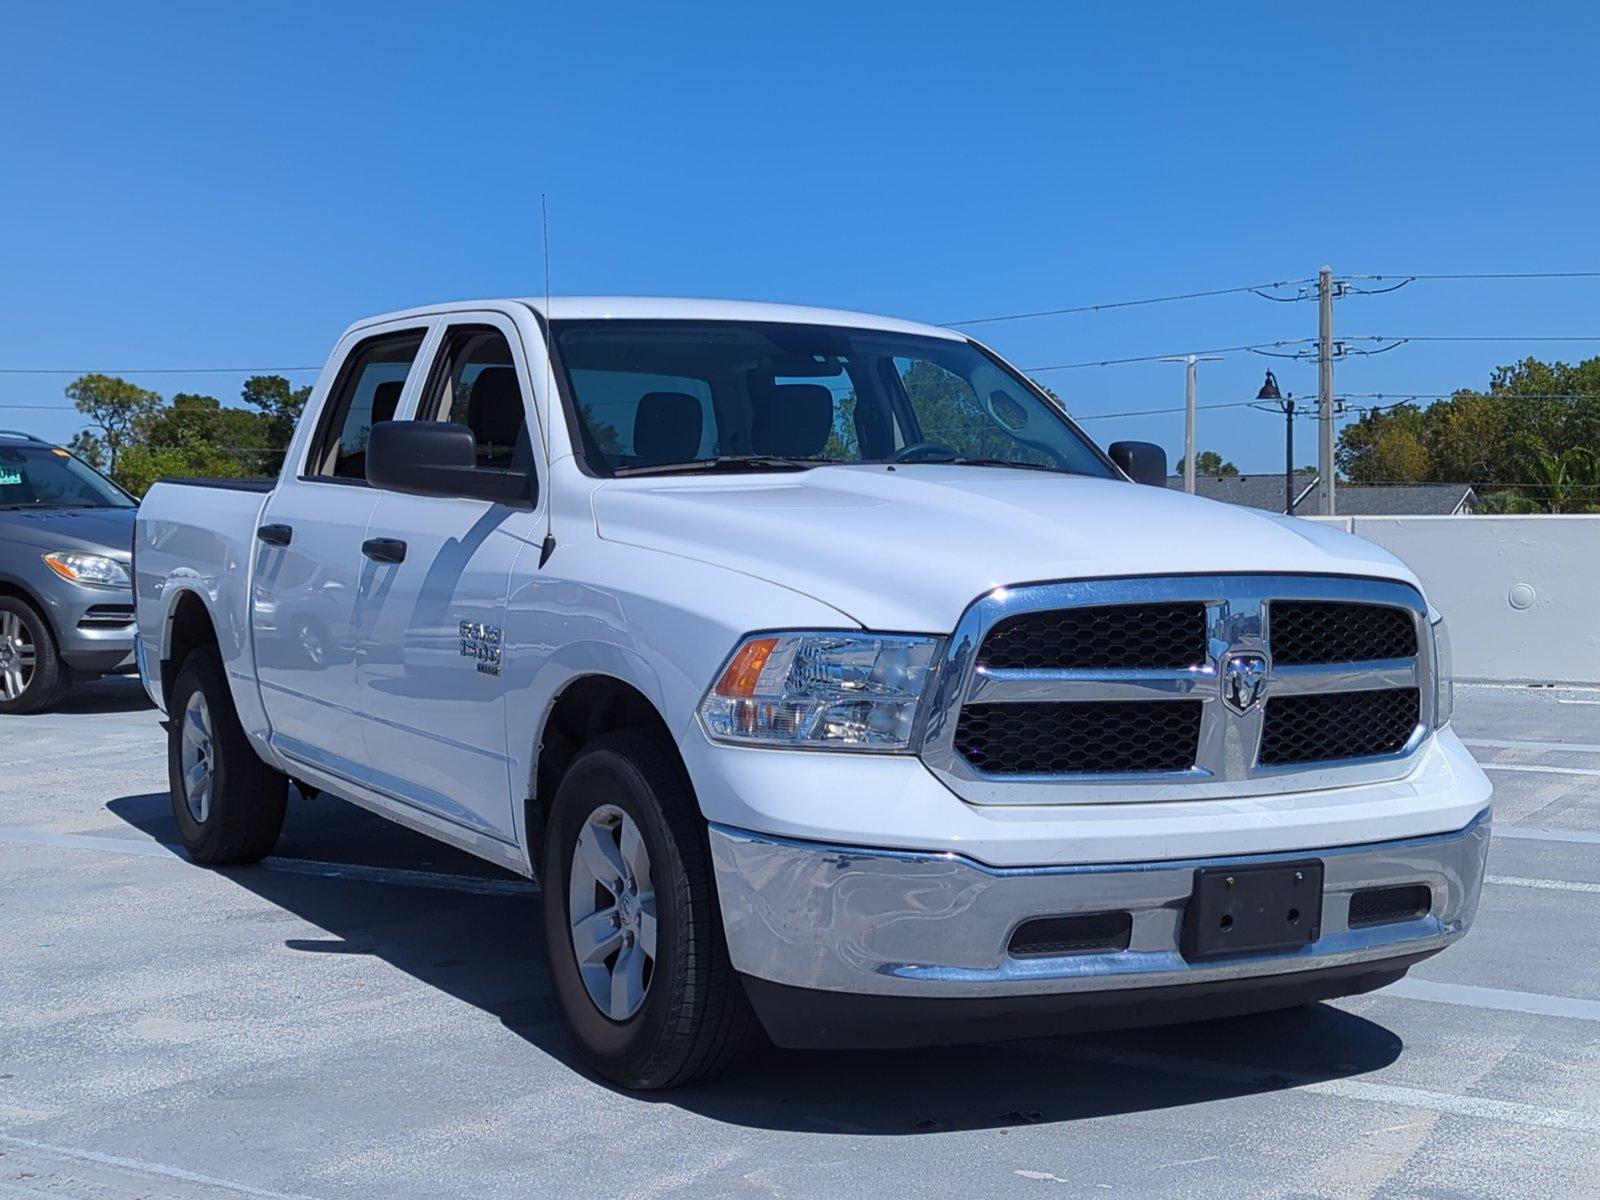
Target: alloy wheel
x=197, y=757
x=612, y=909
x=18, y=656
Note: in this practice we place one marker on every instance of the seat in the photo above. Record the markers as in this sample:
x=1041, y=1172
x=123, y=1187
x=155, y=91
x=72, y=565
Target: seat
x=666, y=428
x=496, y=417
x=792, y=420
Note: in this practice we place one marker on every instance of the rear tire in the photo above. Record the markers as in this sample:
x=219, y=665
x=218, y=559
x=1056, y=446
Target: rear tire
x=228, y=804
x=32, y=676
x=627, y=798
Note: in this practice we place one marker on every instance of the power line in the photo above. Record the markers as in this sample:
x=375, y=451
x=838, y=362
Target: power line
x=1257, y=347
x=1402, y=397
x=1479, y=337
x=1257, y=288
x=1409, y=275
x=1151, y=412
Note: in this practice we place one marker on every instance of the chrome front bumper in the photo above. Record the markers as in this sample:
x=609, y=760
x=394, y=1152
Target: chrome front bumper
x=885, y=923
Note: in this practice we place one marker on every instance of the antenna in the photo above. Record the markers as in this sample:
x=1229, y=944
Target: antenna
x=549, y=545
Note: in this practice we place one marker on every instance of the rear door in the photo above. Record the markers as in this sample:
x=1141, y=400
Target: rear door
x=431, y=626
x=309, y=563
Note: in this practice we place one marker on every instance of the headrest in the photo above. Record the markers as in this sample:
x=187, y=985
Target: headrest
x=386, y=399
x=666, y=427
x=494, y=407
x=793, y=420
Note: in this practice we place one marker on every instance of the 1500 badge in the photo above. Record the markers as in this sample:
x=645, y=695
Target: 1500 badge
x=481, y=643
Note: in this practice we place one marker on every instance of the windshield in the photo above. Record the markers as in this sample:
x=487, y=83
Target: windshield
x=48, y=477
x=659, y=396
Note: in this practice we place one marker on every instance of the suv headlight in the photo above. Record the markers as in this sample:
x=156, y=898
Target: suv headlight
x=1444, y=683
x=823, y=691
x=95, y=569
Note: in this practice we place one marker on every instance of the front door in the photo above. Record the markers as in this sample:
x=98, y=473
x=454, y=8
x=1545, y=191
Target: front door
x=429, y=645
x=309, y=564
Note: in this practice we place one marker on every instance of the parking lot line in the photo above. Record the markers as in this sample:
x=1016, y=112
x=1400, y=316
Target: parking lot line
x=16, y=836
x=1535, y=769
x=400, y=876
x=1547, y=885
x=161, y=1170
x=1510, y=744
x=1580, y=836
x=1501, y=1111
x=1411, y=988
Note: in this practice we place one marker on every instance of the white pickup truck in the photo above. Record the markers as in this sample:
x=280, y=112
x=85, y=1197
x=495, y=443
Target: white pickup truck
x=828, y=678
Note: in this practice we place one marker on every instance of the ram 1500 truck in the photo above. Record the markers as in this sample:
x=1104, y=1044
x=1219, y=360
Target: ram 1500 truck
x=827, y=677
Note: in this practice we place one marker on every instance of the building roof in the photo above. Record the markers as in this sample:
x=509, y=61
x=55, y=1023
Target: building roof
x=1352, y=499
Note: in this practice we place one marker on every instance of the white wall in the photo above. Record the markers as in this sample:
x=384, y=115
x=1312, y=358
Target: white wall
x=1522, y=594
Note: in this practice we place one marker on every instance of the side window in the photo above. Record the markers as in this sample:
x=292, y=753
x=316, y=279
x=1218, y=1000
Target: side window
x=474, y=383
x=643, y=419
x=367, y=390
x=949, y=411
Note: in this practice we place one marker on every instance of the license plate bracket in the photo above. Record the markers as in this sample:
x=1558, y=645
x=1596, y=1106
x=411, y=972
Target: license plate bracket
x=1261, y=908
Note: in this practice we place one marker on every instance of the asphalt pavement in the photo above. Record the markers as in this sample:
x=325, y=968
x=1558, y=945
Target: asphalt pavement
x=367, y=1014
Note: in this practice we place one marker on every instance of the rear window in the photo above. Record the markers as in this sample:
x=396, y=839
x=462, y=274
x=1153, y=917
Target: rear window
x=47, y=477
x=368, y=390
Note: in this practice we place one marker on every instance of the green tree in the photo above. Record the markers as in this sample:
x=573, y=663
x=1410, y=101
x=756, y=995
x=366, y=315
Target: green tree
x=117, y=408
x=1209, y=462
x=280, y=403
x=1513, y=439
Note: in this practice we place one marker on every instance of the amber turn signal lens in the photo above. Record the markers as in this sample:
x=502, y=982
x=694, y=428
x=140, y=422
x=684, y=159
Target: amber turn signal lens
x=745, y=670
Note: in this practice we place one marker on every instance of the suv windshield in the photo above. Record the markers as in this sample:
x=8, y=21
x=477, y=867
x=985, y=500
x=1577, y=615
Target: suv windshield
x=661, y=396
x=38, y=476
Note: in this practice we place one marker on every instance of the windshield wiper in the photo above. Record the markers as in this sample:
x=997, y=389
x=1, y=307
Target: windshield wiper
x=725, y=462
x=1003, y=462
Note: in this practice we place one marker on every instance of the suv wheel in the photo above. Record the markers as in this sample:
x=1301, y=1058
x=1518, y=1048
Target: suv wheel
x=228, y=804
x=32, y=675
x=632, y=929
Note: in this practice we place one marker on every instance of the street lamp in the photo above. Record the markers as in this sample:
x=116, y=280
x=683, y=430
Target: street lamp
x=1269, y=394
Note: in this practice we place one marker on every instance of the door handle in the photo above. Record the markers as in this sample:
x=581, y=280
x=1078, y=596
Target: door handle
x=276, y=535
x=385, y=550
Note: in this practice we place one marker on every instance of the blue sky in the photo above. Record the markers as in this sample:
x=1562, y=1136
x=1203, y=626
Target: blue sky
x=230, y=185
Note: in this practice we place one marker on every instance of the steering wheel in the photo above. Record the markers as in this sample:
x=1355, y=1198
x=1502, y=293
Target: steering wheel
x=918, y=450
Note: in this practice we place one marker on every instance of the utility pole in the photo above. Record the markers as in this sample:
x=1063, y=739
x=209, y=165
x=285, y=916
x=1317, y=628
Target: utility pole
x=1288, y=455
x=1189, y=360
x=1325, y=500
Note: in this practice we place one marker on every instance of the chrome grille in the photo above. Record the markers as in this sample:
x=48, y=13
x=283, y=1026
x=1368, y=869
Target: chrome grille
x=1049, y=688
x=1120, y=637
x=1306, y=729
x=1092, y=738
x=1320, y=631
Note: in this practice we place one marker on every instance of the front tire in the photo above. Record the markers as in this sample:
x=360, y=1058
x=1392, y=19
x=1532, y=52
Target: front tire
x=228, y=804
x=632, y=928
x=32, y=676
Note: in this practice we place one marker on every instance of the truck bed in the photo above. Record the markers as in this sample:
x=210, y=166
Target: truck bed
x=198, y=536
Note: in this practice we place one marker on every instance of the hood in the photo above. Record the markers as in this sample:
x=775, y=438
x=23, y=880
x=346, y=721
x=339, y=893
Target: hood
x=910, y=549
x=106, y=531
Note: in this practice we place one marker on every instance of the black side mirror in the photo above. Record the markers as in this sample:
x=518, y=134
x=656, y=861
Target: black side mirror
x=438, y=458
x=1142, y=462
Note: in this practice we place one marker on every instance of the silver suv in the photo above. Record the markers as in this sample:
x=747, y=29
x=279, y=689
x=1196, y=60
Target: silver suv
x=66, y=592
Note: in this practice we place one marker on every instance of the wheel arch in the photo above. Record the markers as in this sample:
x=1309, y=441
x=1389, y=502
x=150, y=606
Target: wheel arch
x=15, y=589
x=186, y=626
x=584, y=708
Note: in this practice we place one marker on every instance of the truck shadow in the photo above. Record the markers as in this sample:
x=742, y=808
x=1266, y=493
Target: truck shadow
x=487, y=950
x=109, y=694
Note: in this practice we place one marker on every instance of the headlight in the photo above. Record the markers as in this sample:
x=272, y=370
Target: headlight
x=94, y=569
x=1444, y=684
x=826, y=691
